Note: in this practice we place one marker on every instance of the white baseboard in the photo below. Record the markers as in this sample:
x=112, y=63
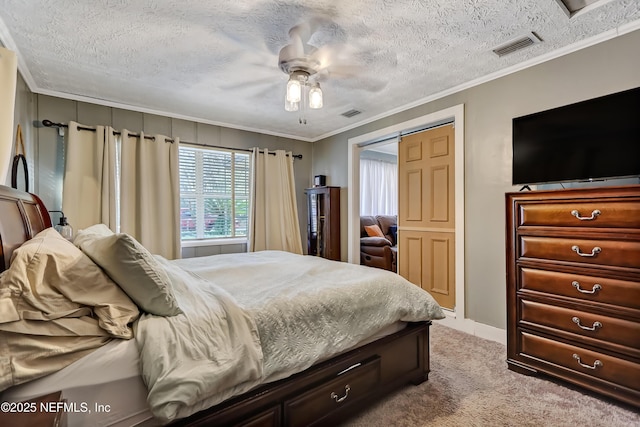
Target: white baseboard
x=474, y=328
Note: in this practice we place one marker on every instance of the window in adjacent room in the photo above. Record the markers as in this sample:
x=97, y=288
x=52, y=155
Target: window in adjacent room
x=214, y=193
x=379, y=180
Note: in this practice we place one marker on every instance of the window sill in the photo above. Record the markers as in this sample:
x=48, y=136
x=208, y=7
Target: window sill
x=213, y=242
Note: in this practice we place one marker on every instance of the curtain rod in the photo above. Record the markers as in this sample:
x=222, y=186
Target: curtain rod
x=50, y=124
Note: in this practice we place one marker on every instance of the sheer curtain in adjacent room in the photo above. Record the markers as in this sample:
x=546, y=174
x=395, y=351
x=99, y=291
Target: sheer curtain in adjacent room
x=378, y=187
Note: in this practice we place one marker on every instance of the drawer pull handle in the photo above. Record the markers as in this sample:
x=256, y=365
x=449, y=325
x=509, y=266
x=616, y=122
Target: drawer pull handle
x=596, y=364
x=595, y=251
x=343, y=398
x=593, y=216
x=595, y=326
x=595, y=288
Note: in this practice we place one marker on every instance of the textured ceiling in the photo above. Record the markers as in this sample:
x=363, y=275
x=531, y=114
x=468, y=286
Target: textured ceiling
x=217, y=61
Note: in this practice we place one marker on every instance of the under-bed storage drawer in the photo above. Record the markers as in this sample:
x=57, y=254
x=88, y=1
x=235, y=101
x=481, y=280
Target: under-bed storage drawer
x=343, y=390
x=269, y=418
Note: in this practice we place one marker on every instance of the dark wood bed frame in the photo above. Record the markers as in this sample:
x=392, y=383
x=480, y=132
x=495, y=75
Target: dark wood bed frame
x=324, y=394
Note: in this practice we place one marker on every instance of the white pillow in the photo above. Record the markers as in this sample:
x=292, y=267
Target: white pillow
x=90, y=233
x=135, y=270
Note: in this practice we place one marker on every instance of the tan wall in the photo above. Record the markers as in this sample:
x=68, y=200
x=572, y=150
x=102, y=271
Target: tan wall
x=605, y=68
x=50, y=148
x=24, y=113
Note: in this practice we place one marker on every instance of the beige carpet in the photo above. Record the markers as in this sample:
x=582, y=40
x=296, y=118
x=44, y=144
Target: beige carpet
x=470, y=385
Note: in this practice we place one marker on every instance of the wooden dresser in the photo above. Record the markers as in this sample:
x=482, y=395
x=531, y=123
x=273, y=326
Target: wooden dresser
x=573, y=287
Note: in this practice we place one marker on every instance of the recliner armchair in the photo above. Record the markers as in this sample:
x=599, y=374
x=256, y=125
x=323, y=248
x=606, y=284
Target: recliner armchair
x=376, y=251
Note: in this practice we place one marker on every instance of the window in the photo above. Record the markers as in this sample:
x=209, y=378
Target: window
x=378, y=186
x=214, y=193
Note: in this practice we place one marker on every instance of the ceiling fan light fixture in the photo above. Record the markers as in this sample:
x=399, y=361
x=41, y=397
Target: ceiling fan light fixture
x=315, y=96
x=291, y=106
x=294, y=89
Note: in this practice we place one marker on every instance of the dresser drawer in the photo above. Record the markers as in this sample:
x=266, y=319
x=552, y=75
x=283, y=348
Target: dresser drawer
x=610, y=214
x=577, y=359
x=341, y=391
x=586, y=288
x=604, y=328
x=596, y=251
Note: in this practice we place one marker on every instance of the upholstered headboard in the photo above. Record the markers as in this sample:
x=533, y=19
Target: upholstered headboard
x=22, y=216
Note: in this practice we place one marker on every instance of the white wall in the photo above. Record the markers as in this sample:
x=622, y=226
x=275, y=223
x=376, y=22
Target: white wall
x=605, y=68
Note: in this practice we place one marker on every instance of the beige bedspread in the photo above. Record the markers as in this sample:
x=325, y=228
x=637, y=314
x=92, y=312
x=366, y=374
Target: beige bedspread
x=208, y=352
x=275, y=314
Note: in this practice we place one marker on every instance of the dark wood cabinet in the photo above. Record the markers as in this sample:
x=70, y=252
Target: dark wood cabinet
x=573, y=287
x=323, y=222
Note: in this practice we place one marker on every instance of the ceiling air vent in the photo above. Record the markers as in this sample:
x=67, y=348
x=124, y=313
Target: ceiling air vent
x=351, y=113
x=575, y=7
x=517, y=44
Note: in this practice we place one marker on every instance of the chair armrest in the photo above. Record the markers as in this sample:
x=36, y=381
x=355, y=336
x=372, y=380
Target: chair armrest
x=374, y=241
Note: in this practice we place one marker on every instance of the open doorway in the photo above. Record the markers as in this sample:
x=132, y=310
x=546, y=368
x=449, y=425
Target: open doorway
x=379, y=205
x=453, y=115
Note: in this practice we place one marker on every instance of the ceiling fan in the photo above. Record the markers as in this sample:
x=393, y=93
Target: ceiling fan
x=299, y=60
x=308, y=65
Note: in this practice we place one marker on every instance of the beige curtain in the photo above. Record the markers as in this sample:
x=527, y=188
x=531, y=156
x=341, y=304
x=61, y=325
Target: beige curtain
x=150, y=193
x=273, y=221
x=8, y=76
x=89, y=194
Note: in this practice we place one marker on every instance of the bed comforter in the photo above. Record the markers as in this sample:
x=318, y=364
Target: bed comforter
x=258, y=317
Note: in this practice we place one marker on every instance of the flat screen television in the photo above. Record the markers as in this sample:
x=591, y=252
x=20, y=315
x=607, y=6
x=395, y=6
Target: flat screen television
x=590, y=140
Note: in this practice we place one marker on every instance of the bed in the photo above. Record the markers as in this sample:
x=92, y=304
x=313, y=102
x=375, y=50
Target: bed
x=293, y=370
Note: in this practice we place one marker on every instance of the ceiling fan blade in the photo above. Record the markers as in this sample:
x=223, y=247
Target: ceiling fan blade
x=382, y=58
x=301, y=31
x=367, y=84
x=299, y=36
x=372, y=84
x=346, y=71
x=353, y=56
x=352, y=77
x=267, y=92
x=248, y=84
x=325, y=55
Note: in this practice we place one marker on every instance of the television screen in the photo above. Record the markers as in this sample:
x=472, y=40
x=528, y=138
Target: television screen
x=590, y=140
